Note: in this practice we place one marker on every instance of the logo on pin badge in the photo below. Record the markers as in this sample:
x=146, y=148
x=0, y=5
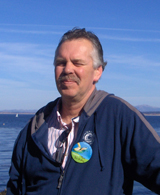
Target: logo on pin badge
x=81, y=152
x=89, y=137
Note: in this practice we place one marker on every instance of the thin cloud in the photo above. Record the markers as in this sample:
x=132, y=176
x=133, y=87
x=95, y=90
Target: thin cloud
x=56, y=31
x=26, y=57
x=116, y=38
x=24, y=63
x=132, y=39
x=133, y=61
x=103, y=36
x=124, y=29
x=70, y=27
x=29, y=48
x=37, y=25
x=9, y=84
x=30, y=31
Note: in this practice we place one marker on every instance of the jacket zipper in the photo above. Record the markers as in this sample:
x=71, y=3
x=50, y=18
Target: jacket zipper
x=60, y=180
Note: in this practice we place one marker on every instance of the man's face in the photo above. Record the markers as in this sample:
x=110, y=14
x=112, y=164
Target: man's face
x=74, y=72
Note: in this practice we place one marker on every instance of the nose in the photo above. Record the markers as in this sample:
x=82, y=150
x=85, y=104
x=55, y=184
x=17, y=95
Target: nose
x=68, y=68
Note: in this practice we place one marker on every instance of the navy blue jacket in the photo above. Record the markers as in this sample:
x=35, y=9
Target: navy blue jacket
x=125, y=148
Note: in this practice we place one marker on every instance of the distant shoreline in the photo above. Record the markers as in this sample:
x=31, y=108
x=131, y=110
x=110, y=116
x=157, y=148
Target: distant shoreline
x=19, y=113
x=32, y=113
x=151, y=113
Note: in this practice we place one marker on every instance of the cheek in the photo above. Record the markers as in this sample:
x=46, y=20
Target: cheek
x=81, y=73
x=58, y=71
x=85, y=75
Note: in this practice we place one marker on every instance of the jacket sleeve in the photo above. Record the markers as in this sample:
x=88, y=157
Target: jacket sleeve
x=141, y=150
x=14, y=185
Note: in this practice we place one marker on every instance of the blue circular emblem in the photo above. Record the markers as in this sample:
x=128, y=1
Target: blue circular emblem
x=89, y=137
x=81, y=152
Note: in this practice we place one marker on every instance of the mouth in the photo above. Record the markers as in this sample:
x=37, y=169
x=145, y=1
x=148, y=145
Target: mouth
x=68, y=79
x=67, y=83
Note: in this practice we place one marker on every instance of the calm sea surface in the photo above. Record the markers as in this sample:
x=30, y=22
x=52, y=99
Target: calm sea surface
x=10, y=126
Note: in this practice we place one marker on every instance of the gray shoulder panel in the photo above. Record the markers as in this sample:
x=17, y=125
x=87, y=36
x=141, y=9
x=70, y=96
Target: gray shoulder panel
x=41, y=116
x=143, y=119
x=94, y=101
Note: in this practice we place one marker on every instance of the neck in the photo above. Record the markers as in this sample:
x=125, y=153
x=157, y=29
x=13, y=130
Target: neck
x=71, y=108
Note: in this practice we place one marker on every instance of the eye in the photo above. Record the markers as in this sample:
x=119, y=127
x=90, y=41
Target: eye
x=78, y=63
x=60, y=63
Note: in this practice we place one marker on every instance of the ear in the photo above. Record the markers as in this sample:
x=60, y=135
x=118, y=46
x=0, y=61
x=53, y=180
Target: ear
x=97, y=73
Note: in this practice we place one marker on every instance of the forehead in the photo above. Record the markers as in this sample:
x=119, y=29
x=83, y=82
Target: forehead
x=75, y=46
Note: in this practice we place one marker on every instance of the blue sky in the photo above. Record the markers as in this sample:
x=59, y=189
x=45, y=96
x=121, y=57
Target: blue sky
x=129, y=31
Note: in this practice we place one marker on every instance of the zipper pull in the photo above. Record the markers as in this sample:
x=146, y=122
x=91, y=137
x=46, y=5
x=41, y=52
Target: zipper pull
x=60, y=180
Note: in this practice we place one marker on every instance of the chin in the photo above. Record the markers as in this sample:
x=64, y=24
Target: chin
x=67, y=93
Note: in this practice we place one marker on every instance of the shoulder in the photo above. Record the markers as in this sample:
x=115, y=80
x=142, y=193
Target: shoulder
x=119, y=106
x=118, y=102
x=47, y=109
x=41, y=115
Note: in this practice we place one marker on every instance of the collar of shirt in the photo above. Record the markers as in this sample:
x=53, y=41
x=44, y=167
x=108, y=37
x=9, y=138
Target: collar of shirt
x=56, y=127
x=59, y=118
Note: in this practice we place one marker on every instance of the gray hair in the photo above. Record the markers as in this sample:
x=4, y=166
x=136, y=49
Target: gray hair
x=77, y=33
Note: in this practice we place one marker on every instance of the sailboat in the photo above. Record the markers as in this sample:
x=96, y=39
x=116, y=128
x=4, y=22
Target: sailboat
x=17, y=115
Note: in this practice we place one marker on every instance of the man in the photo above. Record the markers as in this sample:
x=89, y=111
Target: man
x=86, y=141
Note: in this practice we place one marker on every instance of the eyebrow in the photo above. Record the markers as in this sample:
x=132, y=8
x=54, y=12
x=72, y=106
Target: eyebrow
x=78, y=61
x=59, y=60
x=62, y=60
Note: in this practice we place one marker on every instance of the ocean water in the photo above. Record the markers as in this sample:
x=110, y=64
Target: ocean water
x=10, y=126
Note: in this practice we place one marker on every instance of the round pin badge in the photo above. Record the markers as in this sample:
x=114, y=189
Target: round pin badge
x=81, y=152
x=89, y=137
